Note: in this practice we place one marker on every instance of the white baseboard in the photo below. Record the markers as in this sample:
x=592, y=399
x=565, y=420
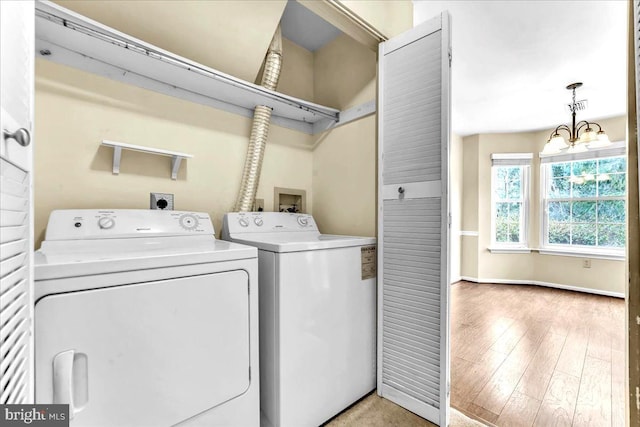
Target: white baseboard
x=545, y=284
x=455, y=279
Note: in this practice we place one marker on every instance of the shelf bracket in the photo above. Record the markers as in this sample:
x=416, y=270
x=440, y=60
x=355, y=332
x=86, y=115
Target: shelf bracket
x=175, y=166
x=117, y=155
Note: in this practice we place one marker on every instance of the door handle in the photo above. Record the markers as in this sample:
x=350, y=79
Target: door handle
x=21, y=136
x=66, y=385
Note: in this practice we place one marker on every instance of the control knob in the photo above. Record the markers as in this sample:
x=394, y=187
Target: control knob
x=303, y=221
x=258, y=221
x=106, y=223
x=243, y=222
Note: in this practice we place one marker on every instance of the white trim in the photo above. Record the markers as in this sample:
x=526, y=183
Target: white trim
x=511, y=156
x=445, y=279
x=455, y=279
x=469, y=233
x=572, y=252
x=511, y=159
x=380, y=213
x=545, y=284
x=509, y=250
x=413, y=190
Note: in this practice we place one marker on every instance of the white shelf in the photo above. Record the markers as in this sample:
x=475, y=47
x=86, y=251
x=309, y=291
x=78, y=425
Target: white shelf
x=80, y=42
x=176, y=158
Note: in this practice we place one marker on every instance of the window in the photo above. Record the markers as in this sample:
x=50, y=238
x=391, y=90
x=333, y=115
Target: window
x=509, y=200
x=584, y=204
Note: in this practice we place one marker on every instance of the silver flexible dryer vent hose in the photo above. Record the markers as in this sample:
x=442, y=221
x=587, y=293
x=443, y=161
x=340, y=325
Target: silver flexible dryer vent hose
x=259, y=129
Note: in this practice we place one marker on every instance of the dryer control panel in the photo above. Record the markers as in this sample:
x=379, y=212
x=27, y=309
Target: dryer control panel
x=266, y=222
x=78, y=224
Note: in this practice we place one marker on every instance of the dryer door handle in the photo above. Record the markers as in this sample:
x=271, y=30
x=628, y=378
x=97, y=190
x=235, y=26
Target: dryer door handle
x=70, y=382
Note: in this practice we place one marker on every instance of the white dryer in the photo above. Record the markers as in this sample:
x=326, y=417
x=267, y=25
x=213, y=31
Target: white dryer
x=142, y=318
x=317, y=316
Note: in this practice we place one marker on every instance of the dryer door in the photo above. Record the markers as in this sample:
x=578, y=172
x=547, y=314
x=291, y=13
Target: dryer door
x=147, y=354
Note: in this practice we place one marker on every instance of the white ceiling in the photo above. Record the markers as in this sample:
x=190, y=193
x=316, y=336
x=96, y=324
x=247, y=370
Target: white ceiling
x=513, y=59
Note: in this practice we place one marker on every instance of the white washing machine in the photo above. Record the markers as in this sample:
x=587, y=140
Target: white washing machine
x=317, y=316
x=142, y=318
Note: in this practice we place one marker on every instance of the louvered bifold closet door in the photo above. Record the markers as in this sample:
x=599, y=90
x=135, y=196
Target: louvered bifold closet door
x=413, y=359
x=15, y=310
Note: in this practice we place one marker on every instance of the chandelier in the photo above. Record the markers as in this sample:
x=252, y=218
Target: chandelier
x=581, y=134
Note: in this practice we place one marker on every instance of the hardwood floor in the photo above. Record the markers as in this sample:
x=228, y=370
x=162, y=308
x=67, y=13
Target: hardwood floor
x=535, y=356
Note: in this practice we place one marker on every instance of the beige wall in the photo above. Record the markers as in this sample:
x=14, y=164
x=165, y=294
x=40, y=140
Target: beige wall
x=455, y=194
x=469, y=217
x=296, y=75
x=344, y=160
x=390, y=17
x=228, y=35
x=344, y=177
x=479, y=263
x=344, y=74
x=76, y=110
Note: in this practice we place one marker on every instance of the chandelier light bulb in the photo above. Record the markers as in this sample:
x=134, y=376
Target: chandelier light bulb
x=589, y=135
x=550, y=148
x=577, y=147
x=558, y=141
x=602, y=141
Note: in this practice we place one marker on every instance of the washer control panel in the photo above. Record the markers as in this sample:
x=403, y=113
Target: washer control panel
x=267, y=222
x=123, y=223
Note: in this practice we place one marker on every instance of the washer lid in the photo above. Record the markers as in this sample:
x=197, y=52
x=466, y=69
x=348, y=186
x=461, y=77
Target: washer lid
x=298, y=242
x=72, y=258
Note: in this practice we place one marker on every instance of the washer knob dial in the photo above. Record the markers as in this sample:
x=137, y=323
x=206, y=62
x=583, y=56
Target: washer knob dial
x=188, y=222
x=303, y=221
x=258, y=221
x=105, y=223
x=243, y=222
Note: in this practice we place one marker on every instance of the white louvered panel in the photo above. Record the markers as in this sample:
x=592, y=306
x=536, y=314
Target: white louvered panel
x=12, y=264
x=13, y=203
x=15, y=324
x=10, y=172
x=412, y=120
x=14, y=248
x=12, y=322
x=13, y=187
x=16, y=87
x=411, y=302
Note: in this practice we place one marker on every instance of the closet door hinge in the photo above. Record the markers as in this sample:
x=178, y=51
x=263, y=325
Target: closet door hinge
x=450, y=56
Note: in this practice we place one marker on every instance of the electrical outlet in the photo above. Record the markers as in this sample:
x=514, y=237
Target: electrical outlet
x=586, y=263
x=258, y=205
x=161, y=201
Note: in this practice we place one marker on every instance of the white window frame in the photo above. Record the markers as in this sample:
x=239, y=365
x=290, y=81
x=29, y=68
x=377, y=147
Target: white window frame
x=618, y=149
x=523, y=161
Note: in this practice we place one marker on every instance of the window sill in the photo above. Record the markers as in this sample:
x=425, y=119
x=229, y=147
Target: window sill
x=509, y=250
x=619, y=256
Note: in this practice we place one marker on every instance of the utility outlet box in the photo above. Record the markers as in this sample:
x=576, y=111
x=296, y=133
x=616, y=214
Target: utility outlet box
x=258, y=205
x=289, y=200
x=586, y=263
x=161, y=201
